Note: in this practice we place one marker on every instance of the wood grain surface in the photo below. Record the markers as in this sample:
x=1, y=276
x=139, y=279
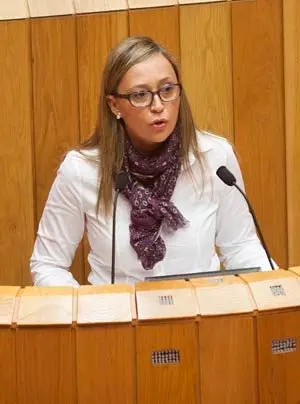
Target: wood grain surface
x=55, y=100
x=45, y=363
x=167, y=383
x=8, y=370
x=205, y=35
x=279, y=373
x=292, y=124
x=257, y=39
x=106, y=370
x=228, y=352
x=153, y=23
x=17, y=180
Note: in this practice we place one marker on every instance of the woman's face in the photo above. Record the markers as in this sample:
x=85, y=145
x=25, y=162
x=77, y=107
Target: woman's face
x=151, y=125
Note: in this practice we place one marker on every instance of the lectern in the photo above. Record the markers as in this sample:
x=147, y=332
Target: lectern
x=226, y=329
x=277, y=297
x=8, y=386
x=45, y=346
x=105, y=345
x=166, y=343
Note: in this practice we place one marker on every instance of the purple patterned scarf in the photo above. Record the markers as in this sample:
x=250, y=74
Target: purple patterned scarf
x=152, y=179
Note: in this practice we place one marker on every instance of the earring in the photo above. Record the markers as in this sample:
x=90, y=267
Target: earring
x=119, y=116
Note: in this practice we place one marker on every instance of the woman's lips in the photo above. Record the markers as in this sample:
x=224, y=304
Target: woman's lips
x=159, y=124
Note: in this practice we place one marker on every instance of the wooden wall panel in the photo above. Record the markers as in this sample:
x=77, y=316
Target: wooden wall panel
x=292, y=124
x=96, y=36
x=259, y=114
x=153, y=23
x=16, y=201
x=200, y=35
x=55, y=90
x=205, y=32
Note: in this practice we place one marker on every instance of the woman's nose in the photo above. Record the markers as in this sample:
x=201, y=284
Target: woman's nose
x=157, y=104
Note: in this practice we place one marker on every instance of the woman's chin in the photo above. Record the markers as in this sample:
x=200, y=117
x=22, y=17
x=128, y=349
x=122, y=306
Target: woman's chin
x=151, y=140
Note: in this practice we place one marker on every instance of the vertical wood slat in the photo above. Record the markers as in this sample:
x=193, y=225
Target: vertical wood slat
x=227, y=349
x=259, y=114
x=278, y=374
x=205, y=32
x=175, y=383
x=16, y=201
x=55, y=91
x=39, y=349
x=45, y=345
x=8, y=369
x=96, y=36
x=111, y=356
x=292, y=110
x=8, y=391
x=153, y=23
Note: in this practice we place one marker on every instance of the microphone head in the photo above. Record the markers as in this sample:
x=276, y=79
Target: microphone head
x=121, y=181
x=226, y=176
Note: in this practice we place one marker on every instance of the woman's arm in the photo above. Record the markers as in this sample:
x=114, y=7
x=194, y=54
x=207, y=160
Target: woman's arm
x=236, y=237
x=60, y=230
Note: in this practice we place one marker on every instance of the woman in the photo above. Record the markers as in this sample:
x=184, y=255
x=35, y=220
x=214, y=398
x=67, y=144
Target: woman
x=174, y=210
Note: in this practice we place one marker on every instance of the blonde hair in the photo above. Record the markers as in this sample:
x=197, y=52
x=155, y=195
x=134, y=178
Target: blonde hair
x=108, y=135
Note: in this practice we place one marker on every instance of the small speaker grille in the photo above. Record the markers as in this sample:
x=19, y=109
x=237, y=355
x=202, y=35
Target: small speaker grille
x=166, y=300
x=165, y=357
x=284, y=345
x=277, y=290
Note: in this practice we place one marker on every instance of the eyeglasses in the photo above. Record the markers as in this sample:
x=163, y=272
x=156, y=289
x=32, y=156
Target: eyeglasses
x=144, y=98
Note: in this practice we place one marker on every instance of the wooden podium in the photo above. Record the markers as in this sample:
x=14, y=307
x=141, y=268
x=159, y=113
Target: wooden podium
x=227, y=345
x=215, y=340
x=45, y=346
x=277, y=296
x=105, y=345
x=8, y=369
x=166, y=343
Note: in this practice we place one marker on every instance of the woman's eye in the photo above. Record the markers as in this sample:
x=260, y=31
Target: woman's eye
x=140, y=94
x=167, y=89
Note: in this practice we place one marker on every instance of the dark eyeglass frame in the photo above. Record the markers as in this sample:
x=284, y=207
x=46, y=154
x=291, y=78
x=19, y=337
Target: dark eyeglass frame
x=153, y=93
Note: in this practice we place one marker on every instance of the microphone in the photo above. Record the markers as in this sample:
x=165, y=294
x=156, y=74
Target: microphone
x=229, y=179
x=121, y=183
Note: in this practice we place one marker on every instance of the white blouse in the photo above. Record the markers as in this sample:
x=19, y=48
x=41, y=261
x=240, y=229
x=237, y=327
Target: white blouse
x=218, y=217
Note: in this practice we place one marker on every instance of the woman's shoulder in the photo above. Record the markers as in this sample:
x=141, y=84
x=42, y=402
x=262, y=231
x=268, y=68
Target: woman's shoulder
x=87, y=155
x=78, y=162
x=216, y=150
x=210, y=141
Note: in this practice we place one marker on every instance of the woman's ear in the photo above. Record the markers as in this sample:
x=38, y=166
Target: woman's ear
x=113, y=104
